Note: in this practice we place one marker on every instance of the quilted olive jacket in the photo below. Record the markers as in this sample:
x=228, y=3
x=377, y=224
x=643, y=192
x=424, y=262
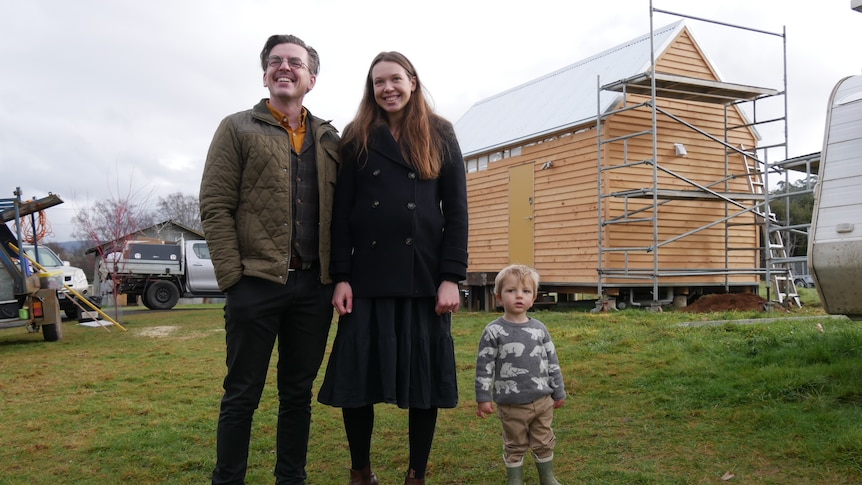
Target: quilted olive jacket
x=245, y=195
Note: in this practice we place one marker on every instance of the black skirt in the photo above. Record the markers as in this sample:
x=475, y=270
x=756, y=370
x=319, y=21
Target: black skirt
x=392, y=350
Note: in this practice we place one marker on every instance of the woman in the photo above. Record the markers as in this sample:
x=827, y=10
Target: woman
x=399, y=249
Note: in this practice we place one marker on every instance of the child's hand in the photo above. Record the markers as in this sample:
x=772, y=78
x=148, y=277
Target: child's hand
x=558, y=404
x=484, y=409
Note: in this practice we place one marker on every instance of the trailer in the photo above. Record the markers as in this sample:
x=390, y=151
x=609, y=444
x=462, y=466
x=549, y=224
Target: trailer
x=28, y=298
x=835, y=236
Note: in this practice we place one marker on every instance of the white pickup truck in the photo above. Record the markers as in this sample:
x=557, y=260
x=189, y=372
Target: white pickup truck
x=73, y=277
x=161, y=273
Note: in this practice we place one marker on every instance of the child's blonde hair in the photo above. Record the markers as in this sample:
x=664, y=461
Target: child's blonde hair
x=519, y=271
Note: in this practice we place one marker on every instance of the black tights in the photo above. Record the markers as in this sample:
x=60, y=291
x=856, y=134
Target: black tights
x=359, y=424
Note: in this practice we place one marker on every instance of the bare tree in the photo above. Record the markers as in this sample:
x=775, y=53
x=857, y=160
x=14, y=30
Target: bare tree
x=109, y=220
x=108, y=224
x=181, y=208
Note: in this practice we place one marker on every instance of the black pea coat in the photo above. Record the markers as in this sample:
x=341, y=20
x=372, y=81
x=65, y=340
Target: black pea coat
x=394, y=235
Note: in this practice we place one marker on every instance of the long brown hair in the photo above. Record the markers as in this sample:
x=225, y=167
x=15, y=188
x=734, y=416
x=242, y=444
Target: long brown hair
x=421, y=141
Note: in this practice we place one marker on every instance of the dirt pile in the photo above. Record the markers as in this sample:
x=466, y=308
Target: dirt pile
x=727, y=302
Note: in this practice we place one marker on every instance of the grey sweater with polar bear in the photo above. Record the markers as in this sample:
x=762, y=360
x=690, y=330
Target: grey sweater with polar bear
x=517, y=363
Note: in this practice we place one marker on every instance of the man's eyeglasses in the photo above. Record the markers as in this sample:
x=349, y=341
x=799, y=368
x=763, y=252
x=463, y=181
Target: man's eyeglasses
x=292, y=62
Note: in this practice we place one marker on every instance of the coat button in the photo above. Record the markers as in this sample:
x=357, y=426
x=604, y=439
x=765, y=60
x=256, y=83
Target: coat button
x=411, y=205
x=373, y=244
x=408, y=241
x=376, y=172
x=411, y=175
x=375, y=204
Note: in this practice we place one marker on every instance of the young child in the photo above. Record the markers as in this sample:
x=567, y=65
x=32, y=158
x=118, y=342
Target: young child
x=517, y=366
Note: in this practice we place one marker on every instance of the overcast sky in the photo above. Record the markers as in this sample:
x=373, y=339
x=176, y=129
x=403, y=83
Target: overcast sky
x=102, y=98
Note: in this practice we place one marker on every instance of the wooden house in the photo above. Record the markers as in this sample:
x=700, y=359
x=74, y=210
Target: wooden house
x=569, y=173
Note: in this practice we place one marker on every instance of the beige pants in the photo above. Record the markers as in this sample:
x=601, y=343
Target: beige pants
x=527, y=427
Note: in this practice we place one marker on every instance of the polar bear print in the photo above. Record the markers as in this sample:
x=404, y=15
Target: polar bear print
x=508, y=370
x=535, y=333
x=491, y=351
x=538, y=350
x=506, y=387
x=493, y=331
x=485, y=382
x=541, y=382
x=515, y=348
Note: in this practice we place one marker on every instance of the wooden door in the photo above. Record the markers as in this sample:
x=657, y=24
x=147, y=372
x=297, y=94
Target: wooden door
x=521, y=214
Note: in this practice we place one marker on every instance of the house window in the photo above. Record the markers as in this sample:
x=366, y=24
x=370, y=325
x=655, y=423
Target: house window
x=472, y=165
x=483, y=162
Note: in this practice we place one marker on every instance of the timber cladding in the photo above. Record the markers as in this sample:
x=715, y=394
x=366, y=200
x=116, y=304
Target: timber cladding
x=565, y=193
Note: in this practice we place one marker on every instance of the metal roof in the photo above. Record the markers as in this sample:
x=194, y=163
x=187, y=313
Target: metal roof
x=562, y=99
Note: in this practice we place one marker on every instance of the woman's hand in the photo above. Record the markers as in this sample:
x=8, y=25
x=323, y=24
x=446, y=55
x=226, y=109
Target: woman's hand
x=448, y=298
x=342, y=298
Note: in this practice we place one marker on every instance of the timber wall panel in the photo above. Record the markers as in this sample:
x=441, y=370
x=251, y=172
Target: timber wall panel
x=565, y=197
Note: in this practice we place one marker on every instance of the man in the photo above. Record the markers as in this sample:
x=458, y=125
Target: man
x=266, y=203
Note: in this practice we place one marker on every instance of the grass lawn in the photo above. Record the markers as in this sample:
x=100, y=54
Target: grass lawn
x=653, y=399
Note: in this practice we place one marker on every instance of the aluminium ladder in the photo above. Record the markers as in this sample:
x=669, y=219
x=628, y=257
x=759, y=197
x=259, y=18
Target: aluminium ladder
x=776, y=252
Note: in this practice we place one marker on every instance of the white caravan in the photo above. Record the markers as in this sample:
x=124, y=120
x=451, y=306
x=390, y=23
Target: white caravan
x=835, y=236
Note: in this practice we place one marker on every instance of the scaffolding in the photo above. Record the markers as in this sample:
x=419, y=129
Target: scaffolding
x=775, y=266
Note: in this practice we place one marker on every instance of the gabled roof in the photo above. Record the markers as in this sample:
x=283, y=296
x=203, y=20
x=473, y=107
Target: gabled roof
x=559, y=100
x=153, y=229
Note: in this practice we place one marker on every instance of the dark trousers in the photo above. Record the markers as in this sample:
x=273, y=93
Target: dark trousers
x=298, y=314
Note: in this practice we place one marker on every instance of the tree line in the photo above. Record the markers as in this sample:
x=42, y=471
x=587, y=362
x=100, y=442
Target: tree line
x=792, y=204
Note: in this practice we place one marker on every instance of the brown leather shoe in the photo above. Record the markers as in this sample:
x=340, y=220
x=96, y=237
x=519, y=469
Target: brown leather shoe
x=363, y=477
x=412, y=480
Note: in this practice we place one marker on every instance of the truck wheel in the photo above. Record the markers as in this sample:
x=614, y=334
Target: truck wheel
x=71, y=313
x=162, y=295
x=146, y=301
x=52, y=332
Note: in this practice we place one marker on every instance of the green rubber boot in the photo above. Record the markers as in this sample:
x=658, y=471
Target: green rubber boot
x=546, y=472
x=515, y=474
